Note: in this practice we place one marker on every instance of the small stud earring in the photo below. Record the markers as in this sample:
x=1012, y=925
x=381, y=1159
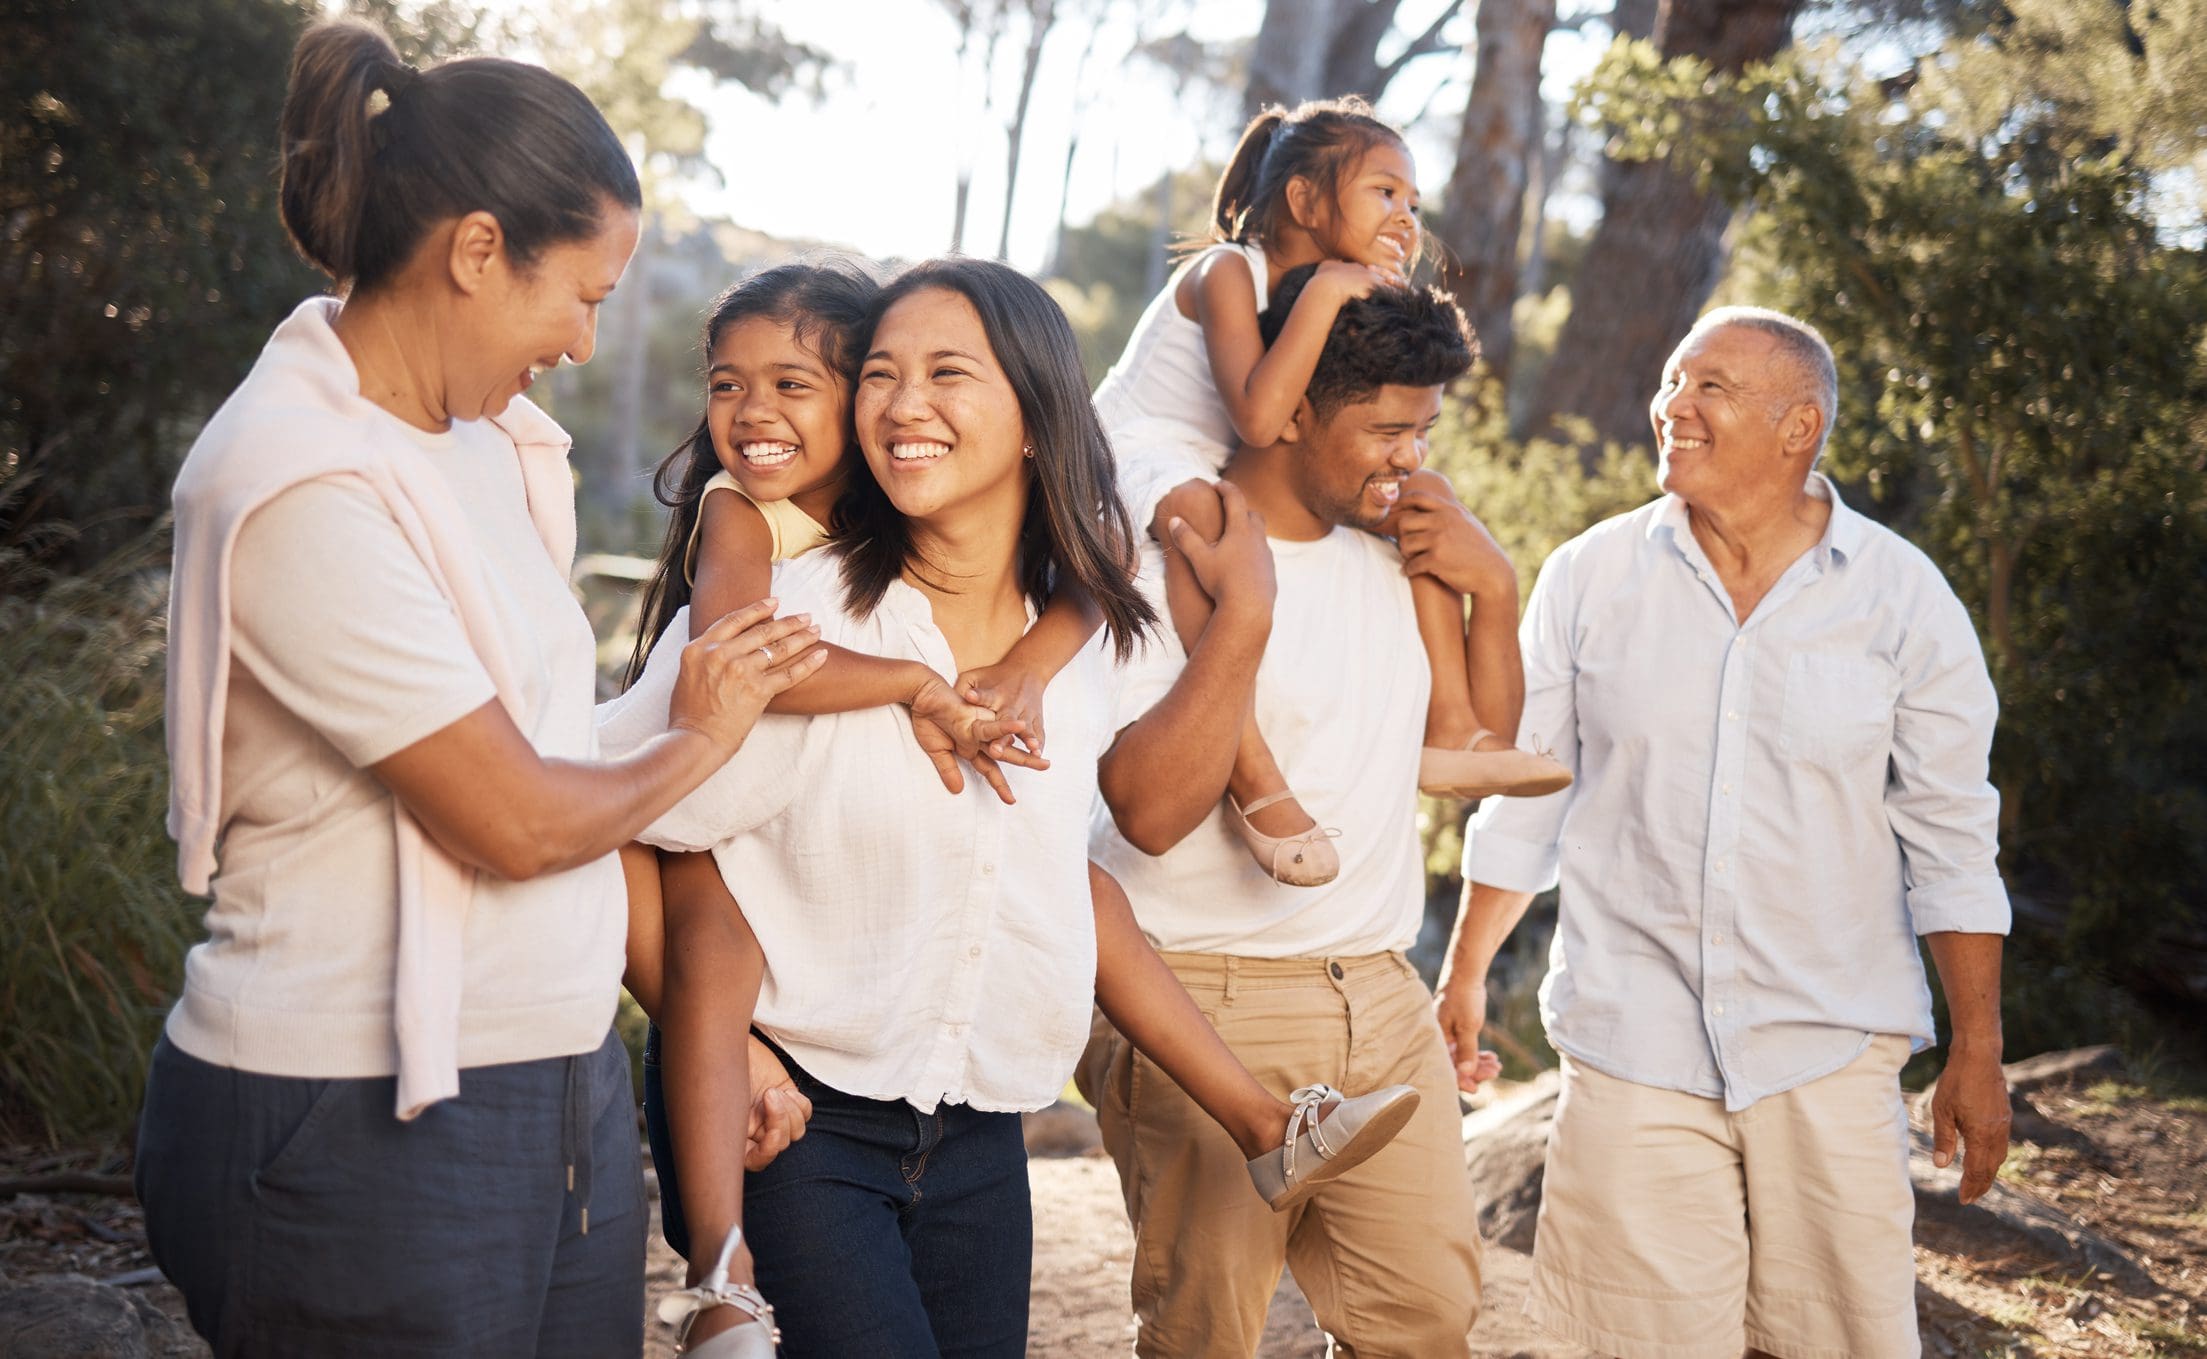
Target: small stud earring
x=1028, y=450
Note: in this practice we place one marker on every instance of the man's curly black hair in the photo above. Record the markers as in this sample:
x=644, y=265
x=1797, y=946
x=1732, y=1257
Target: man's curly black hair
x=1406, y=337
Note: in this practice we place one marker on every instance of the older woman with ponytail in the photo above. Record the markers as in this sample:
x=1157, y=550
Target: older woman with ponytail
x=387, y=1114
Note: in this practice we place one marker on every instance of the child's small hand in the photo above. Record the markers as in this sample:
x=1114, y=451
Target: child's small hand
x=949, y=729
x=779, y=1110
x=1347, y=279
x=1012, y=691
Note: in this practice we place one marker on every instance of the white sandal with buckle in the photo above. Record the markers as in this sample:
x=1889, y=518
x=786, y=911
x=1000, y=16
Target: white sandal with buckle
x=754, y=1339
x=1315, y=1151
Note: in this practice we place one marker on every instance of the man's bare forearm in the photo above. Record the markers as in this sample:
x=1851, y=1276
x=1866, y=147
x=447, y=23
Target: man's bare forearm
x=1169, y=767
x=1483, y=920
x=1969, y=973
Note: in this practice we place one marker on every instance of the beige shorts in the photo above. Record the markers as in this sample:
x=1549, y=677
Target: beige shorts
x=1670, y=1229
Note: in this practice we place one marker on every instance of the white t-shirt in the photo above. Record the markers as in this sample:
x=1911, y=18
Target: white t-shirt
x=347, y=653
x=1341, y=697
x=920, y=945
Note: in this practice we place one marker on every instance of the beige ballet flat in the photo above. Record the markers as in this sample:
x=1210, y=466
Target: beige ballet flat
x=1316, y=1151
x=1305, y=860
x=1470, y=773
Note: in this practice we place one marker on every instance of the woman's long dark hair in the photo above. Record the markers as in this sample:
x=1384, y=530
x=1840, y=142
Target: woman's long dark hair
x=825, y=301
x=1076, y=530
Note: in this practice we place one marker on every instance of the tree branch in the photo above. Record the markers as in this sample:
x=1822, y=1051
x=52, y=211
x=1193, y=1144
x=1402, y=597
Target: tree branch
x=1424, y=45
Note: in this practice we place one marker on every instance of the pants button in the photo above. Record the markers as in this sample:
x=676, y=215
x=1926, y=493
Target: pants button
x=1338, y=974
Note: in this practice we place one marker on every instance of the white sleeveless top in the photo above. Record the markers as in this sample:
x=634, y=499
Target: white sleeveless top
x=1160, y=404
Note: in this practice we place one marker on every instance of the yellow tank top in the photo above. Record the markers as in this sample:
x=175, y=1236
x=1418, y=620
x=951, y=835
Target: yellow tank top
x=794, y=532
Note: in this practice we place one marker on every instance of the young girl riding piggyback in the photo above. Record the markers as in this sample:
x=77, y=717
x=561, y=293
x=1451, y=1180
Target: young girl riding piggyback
x=758, y=484
x=1326, y=184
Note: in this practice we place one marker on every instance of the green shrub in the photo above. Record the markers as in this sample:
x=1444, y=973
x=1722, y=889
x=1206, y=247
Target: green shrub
x=89, y=903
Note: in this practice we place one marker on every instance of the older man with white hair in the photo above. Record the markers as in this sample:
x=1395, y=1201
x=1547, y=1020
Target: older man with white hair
x=1779, y=718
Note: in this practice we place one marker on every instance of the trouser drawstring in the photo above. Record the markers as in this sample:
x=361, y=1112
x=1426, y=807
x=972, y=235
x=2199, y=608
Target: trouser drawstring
x=575, y=1133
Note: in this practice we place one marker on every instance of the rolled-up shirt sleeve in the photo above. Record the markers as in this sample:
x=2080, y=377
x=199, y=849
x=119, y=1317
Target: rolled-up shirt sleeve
x=1512, y=843
x=1938, y=798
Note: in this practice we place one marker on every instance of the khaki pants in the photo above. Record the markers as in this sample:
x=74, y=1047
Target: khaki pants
x=1670, y=1229
x=1387, y=1254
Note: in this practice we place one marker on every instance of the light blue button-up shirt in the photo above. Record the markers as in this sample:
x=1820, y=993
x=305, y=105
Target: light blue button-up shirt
x=1766, y=812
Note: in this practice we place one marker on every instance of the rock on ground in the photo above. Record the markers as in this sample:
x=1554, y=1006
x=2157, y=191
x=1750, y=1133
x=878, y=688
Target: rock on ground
x=70, y=1317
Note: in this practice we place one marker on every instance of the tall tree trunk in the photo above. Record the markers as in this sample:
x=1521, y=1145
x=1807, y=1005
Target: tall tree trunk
x=1659, y=251
x=1555, y=149
x=1041, y=15
x=1483, y=217
x=1072, y=145
x=993, y=16
x=1287, y=61
x=1319, y=49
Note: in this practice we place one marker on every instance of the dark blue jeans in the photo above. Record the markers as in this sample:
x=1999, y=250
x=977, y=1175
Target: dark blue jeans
x=672, y=1224
x=301, y=1217
x=884, y=1231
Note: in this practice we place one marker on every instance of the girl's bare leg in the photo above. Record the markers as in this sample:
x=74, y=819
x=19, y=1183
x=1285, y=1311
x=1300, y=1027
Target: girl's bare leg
x=647, y=925
x=1256, y=774
x=1146, y=1002
x=713, y=970
x=1452, y=714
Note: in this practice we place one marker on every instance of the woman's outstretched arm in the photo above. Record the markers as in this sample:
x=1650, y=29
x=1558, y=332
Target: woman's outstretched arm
x=485, y=794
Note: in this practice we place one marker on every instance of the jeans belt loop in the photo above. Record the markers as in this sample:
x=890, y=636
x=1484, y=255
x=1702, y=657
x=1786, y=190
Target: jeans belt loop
x=1231, y=970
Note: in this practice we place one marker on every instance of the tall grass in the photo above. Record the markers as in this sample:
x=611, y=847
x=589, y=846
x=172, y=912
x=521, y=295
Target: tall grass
x=93, y=922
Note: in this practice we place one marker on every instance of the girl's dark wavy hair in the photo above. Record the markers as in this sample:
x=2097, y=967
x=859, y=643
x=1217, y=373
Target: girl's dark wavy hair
x=1076, y=530
x=826, y=301
x=1319, y=140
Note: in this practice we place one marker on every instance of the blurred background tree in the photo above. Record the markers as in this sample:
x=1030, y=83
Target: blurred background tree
x=141, y=265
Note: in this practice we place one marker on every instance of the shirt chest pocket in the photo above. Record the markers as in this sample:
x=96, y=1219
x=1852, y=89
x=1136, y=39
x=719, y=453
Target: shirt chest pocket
x=1837, y=709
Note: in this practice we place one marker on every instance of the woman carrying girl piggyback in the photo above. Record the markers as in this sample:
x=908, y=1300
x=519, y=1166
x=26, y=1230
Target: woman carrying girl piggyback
x=920, y=957
x=1325, y=184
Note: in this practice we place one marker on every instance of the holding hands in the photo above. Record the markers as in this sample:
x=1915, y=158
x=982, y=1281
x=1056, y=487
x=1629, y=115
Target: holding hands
x=1461, y=1006
x=950, y=729
x=1442, y=539
x=1235, y=571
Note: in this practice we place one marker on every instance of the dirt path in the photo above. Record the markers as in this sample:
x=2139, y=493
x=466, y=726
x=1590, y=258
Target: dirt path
x=1082, y=1254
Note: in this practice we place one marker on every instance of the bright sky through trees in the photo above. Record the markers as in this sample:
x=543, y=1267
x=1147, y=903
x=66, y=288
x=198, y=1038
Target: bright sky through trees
x=874, y=164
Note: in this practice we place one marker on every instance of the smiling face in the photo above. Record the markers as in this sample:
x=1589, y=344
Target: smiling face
x=523, y=321
x=936, y=416
x=1349, y=467
x=1374, y=216
x=775, y=410
x=1721, y=417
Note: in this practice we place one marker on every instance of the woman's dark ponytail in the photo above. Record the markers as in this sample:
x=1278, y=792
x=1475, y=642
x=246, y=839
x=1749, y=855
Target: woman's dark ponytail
x=326, y=142
x=362, y=185
x=1235, y=196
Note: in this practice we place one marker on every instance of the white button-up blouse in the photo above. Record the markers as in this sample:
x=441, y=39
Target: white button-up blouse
x=920, y=945
x=1767, y=813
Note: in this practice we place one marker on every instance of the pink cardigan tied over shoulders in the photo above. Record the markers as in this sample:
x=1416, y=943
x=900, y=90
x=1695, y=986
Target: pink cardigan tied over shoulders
x=299, y=415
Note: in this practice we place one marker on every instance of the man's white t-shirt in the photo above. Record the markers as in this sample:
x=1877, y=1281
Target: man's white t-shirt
x=346, y=653
x=1341, y=698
